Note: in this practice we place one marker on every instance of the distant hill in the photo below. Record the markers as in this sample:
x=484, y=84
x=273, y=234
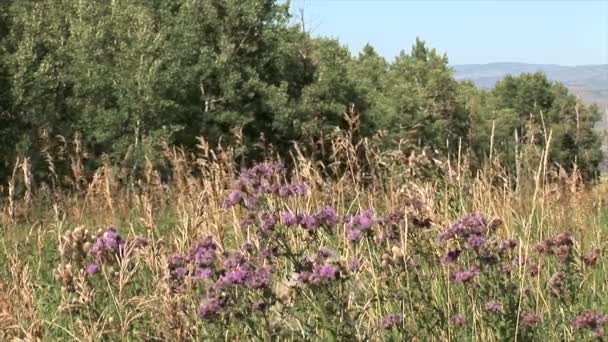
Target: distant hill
x=590, y=82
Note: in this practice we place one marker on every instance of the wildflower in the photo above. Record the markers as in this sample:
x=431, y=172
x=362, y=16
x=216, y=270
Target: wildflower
x=108, y=242
x=324, y=273
x=292, y=190
x=391, y=321
x=325, y=253
x=238, y=275
x=556, y=284
x=203, y=274
x=202, y=254
x=209, y=309
x=493, y=307
x=260, y=278
x=451, y=256
x=327, y=216
x=251, y=203
x=529, y=319
x=465, y=227
x=591, y=320
x=92, y=269
x=269, y=220
x=233, y=199
x=590, y=259
x=358, y=225
x=464, y=276
x=289, y=219
x=476, y=241
x=309, y=222
x=457, y=321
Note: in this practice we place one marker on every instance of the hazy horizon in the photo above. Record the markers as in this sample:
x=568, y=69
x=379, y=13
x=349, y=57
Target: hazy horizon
x=566, y=33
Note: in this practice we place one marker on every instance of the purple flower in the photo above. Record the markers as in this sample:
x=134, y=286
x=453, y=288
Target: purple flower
x=106, y=244
x=324, y=273
x=92, y=269
x=269, y=221
x=203, y=274
x=465, y=227
x=457, y=321
x=237, y=276
x=289, y=219
x=203, y=253
x=451, y=256
x=391, y=321
x=493, y=307
x=260, y=278
x=464, y=276
x=591, y=320
x=233, y=199
x=251, y=203
x=476, y=242
x=327, y=216
x=529, y=319
x=557, y=284
x=209, y=309
x=590, y=259
x=292, y=190
x=309, y=222
x=354, y=235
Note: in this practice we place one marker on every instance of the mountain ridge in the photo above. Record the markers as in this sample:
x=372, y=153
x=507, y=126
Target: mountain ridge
x=589, y=82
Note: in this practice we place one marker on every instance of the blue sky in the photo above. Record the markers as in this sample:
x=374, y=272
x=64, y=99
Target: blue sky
x=548, y=32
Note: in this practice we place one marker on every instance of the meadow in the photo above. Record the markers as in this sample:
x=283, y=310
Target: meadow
x=368, y=245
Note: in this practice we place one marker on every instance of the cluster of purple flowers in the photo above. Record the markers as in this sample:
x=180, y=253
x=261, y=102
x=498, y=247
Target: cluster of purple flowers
x=562, y=245
x=472, y=228
x=529, y=319
x=109, y=245
x=591, y=320
x=322, y=269
x=493, y=307
x=290, y=190
x=464, y=275
x=238, y=272
x=391, y=321
x=324, y=217
x=359, y=225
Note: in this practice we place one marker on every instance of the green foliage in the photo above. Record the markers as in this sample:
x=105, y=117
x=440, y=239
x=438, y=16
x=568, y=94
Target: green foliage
x=131, y=75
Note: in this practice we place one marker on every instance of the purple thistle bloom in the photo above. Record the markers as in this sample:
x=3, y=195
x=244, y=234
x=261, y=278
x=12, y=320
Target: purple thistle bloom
x=203, y=274
x=209, y=309
x=557, y=284
x=493, y=307
x=468, y=225
x=451, y=257
x=324, y=273
x=391, y=321
x=203, y=253
x=289, y=219
x=464, y=276
x=237, y=276
x=309, y=222
x=251, y=203
x=260, y=278
x=457, y=321
x=269, y=221
x=234, y=260
x=328, y=216
x=590, y=259
x=106, y=244
x=476, y=242
x=354, y=235
x=233, y=199
x=92, y=269
x=591, y=320
x=529, y=319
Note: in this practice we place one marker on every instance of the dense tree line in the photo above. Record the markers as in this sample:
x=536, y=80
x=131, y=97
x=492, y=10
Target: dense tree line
x=129, y=74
